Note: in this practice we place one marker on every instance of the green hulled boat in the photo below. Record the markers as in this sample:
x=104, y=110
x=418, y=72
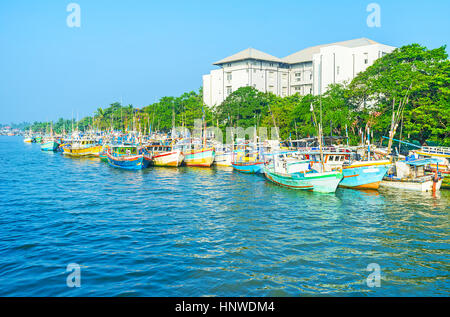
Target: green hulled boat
x=325, y=182
x=289, y=170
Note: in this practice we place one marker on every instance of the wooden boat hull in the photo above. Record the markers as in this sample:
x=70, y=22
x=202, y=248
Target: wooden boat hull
x=364, y=176
x=425, y=186
x=49, y=146
x=223, y=159
x=172, y=159
x=135, y=162
x=86, y=152
x=248, y=167
x=318, y=182
x=202, y=158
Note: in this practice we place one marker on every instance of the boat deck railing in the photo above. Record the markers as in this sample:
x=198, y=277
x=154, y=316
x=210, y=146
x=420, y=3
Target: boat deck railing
x=328, y=149
x=436, y=150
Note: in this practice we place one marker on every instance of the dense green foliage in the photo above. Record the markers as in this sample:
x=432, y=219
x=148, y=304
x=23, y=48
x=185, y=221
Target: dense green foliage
x=366, y=102
x=426, y=74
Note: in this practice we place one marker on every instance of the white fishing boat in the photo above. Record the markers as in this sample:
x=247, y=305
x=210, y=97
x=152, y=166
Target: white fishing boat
x=158, y=154
x=223, y=155
x=410, y=175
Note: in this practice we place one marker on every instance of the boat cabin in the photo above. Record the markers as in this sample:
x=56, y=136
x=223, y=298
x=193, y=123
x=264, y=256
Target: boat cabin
x=125, y=150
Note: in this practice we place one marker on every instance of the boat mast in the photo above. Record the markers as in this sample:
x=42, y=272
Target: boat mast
x=396, y=116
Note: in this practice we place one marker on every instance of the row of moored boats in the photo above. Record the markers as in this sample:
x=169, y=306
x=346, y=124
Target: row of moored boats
x=312, y=168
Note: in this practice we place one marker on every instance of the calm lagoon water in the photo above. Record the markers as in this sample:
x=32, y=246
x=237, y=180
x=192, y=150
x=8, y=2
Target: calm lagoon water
x=207, y=232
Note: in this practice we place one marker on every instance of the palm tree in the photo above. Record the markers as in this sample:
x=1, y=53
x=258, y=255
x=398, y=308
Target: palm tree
x=99, y=115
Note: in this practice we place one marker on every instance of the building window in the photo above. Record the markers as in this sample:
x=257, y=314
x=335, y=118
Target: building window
x=298, y=74
x=366, y=58
x=229, y=76
x=229, y=91
x=337, y=70
x=310, y=76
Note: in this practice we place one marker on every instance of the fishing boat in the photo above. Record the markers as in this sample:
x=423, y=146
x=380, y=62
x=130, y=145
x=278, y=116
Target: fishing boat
x=440, y=154
x=49, y=144
x=28, y=139
x=249, y=167
x=246, y=159
x=203, y=157
x=129, y=157
x=196, y=152
x=83, y=148
x=361, y=167
x=410, y=175
x=364, y=174
x=223, y=155
x=297, y=174
x=158, y=154
x=102, y=154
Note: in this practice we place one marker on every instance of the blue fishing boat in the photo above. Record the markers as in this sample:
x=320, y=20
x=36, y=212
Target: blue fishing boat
x=247, y=159
x=248, y=167
x=364, y=174
x=127, y=157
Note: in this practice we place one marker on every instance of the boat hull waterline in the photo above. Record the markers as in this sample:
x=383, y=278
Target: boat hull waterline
x=135, y=162
x=364, y=176
x=326, y=182
x=201, y=158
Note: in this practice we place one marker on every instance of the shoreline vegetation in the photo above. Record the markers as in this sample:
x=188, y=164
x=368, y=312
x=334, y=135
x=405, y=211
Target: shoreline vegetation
x=421, y=74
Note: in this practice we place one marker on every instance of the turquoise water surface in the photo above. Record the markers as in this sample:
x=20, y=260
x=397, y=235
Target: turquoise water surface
x=207, y=232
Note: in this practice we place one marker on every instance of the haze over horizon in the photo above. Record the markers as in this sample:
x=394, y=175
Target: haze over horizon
x=143, y=51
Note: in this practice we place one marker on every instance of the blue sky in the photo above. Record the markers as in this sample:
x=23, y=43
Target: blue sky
x=139, y=51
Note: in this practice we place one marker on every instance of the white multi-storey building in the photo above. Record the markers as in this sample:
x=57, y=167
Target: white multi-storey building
x=309, y=71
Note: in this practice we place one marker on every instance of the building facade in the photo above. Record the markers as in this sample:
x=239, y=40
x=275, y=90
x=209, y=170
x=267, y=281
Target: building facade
x=309, y=71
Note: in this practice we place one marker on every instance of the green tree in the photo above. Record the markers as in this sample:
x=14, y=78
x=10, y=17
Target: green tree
x=425, y=75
